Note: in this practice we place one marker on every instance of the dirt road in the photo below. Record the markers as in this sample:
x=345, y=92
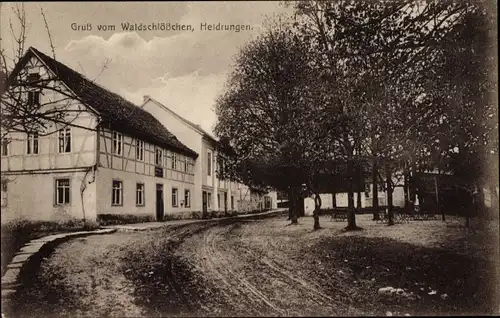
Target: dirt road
x=233, y=268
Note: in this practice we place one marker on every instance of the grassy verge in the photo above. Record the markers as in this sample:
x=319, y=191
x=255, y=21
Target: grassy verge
x=16, y=234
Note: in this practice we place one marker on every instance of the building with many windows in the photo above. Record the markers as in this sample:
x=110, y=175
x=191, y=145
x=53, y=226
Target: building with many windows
x=213, y=194
x=113, y=158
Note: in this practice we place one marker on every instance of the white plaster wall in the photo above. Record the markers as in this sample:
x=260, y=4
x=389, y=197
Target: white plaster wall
x=32, y=197
x=129, y=180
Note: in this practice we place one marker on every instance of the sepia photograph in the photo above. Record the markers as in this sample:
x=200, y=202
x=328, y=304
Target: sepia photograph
x=327, y=158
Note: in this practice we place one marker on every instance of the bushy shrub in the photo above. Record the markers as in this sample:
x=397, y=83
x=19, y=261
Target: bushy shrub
x=111, y=219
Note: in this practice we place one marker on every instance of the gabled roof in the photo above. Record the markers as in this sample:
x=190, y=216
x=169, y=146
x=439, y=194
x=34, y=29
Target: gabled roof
x=194, y=126
x=121, y=114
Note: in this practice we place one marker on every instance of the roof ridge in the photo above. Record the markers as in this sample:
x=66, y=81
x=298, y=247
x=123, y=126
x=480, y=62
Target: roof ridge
x=111, y=105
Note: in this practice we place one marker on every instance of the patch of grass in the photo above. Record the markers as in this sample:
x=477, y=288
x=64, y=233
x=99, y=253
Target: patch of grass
x=15, y=234
x=357, y=266
x=112, y=219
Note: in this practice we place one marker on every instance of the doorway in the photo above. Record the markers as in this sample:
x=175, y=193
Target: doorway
x=159, y=202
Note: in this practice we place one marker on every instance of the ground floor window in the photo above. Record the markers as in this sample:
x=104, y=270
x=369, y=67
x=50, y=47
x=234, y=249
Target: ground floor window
x=209, y=200
x=187, y=198
x=62, y=191
x=139, y=194
x=232, y=202
x=174, y=197
x=117, y=193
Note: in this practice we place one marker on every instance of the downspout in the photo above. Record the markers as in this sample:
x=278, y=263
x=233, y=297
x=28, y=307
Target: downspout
x=92, y=169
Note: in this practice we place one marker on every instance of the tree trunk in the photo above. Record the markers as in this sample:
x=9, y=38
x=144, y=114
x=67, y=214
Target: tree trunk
x=413, y=184
x=334, y=200
x=375, y=207
x=317, y=207
x=390, y=210
x=351, y=214
x=301, y=211
x=494, y=200
x=293, y=206
x=406, y=191
x=358, y=201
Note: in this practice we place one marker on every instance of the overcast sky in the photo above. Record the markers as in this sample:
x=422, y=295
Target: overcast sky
x=185, y=70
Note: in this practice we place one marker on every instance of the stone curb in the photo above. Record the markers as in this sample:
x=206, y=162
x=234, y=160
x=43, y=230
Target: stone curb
x=11, y=278
x=129, y=228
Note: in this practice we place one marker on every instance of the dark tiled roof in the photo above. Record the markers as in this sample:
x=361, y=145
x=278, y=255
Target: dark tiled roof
x=121, y=114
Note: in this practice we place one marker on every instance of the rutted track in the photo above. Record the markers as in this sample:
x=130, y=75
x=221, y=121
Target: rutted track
x=213, y=268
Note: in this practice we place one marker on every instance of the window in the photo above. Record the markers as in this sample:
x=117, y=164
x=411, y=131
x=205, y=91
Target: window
x=65, y=140
x=139, y=194
x=218, y=200
x=232, y=202
x=209, y=164
x=174, y=160
x=174, y=197
x=5, y=147
x=62, y=191
x=117, y=143
x=117, y=194
x=209, y=199
x=186, y=169
x=33, y=98
x=139, y=150
x=4, y=193
x=187, y=198
x=159, y=157
x=32, y=143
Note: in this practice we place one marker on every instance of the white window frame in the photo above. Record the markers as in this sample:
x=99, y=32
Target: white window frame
x=209, y=200
x=65, y=137
x=175, y=197
x=159, y=157
x=5, y=147
x=139, y=194
x=66, y=199
x=209, y=163
x=139, y=151
x=174, y=161
x=117, y=193
x=117, y=147
x=31, y=142
x=187, y=198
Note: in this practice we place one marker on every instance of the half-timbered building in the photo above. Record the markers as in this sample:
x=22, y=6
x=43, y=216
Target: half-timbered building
x=107, y=156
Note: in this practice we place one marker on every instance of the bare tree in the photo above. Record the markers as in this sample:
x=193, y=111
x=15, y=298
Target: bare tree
x=33, y=98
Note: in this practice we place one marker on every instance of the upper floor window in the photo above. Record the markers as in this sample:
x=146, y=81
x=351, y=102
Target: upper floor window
x=32, y=143
x=209, y=164
x=33, y=98
x=33, y=73
x=174, y=160
x=65, y=140
x=5, y=147
x=117, y=143
x=139, y=150
x=186, y=164
x=159, y=157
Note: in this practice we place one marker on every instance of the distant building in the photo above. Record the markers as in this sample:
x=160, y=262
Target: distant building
x=216, y=195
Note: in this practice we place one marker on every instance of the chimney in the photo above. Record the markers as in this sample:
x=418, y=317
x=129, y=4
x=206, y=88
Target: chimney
x=145, y=98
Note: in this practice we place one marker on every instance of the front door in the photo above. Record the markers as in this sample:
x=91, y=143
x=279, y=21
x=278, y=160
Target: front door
x=205, y=203
x=159, y=202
